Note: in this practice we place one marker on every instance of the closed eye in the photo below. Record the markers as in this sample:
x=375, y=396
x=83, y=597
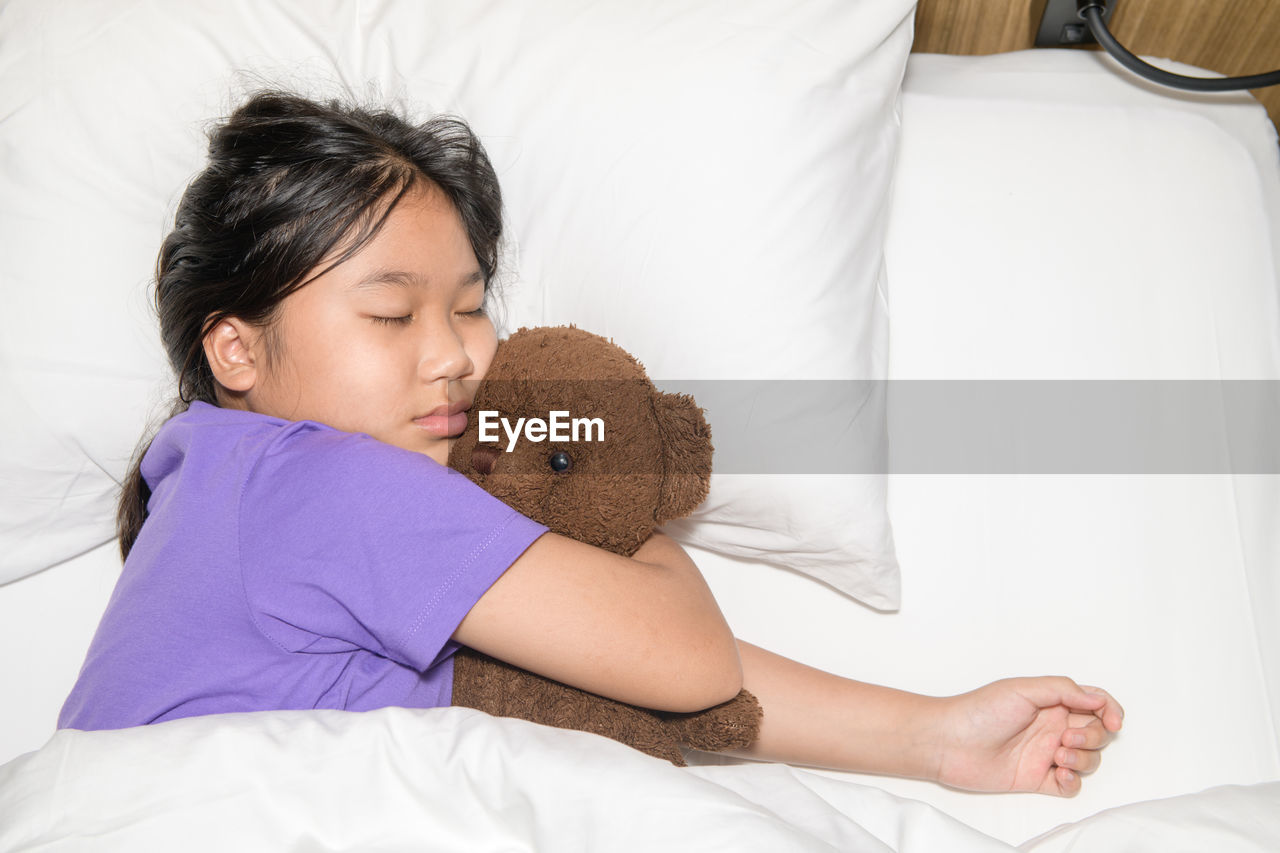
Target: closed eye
x=393, y=321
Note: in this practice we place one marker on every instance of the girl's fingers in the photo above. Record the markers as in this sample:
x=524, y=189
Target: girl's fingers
x=1081, y=761
x=1066, y=782
x=1085, y=733
x=1093, y=700
x=1049, y=691
x=1111, y=714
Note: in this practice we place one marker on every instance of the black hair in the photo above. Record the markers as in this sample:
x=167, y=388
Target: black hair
x=290, y=182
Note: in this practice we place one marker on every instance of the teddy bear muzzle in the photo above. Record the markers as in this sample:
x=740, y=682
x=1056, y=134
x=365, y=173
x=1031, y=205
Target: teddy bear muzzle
x=482, y=459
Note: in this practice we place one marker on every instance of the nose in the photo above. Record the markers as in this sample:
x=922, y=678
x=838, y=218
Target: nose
x=444, y=355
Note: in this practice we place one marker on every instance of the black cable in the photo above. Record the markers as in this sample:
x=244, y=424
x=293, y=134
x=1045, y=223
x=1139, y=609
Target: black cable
x=1091, y=11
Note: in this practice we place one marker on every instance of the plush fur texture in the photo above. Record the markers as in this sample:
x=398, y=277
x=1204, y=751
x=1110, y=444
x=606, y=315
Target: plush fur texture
x=653, y=465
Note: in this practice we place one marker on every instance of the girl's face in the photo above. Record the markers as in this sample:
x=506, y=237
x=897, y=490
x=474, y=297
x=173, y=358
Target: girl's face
x=393, y=341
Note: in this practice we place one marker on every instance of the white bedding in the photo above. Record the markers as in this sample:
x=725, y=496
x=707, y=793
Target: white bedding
x=1162, y=588
x=456, y=780
x=446, y=779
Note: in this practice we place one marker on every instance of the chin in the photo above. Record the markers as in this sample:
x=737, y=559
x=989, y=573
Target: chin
x=439, y=454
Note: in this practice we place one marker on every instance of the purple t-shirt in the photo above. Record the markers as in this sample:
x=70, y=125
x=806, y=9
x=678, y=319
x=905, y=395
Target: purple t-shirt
x=289, y=565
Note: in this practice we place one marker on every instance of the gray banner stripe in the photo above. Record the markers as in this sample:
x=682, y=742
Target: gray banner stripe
x=991, y=427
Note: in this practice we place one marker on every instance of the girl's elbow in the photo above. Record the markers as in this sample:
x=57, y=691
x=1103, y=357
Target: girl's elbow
x=715, y=682
x=729, y=686
x=731, y=675
x=705, y=696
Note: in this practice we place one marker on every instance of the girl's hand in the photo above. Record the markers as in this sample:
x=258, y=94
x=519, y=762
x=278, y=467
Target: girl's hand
x=1025, y=734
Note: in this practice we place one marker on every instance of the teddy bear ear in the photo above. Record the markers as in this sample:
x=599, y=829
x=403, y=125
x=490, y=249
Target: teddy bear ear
x=686, y=441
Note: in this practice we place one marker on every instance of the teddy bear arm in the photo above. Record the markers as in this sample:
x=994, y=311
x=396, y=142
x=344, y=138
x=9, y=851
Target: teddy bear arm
x=731, y=725
x=502, y=690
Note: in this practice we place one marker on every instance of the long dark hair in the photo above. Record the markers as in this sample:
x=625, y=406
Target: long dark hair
x=289, y=182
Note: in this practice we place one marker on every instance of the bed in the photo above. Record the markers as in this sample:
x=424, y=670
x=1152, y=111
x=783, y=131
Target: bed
x=1046, y=291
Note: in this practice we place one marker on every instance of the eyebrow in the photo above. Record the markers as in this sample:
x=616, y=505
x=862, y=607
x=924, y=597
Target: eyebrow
x=403, y=278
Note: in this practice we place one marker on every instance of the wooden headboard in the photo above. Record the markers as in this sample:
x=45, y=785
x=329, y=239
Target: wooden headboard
x=1231, y=37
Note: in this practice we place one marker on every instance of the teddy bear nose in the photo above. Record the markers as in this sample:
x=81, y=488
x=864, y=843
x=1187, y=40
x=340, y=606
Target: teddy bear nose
x=482, y=458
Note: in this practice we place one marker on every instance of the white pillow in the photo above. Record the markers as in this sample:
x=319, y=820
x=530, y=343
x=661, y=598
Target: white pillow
x=705, y=183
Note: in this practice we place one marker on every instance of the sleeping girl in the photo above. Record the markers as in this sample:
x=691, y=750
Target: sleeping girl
x=293, y=539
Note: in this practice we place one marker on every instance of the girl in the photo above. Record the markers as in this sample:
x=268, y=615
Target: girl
x=293, y=539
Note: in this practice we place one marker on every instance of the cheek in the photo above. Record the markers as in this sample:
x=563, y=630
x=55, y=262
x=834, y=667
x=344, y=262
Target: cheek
x=345, y=374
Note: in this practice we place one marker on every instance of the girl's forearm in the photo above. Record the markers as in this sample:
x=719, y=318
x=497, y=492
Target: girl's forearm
x=818, y=719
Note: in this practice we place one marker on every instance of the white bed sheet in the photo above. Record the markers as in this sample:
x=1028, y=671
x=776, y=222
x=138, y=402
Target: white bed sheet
x=453, y=779
x=990, y=557
x=444, y=779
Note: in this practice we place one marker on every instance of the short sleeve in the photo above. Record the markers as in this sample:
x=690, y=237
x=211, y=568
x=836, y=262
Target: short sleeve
x=346, y=542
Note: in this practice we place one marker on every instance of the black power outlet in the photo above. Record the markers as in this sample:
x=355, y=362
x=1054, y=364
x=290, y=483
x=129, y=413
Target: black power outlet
x=1058, y=22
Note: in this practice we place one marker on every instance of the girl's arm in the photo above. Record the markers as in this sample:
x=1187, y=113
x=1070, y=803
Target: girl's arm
x=644, y=629
x=1023, y=734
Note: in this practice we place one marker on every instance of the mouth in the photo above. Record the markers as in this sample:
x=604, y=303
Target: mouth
x=448, y=421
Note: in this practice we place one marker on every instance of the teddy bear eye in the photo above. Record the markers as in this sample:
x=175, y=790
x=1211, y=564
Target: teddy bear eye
x=560, y=461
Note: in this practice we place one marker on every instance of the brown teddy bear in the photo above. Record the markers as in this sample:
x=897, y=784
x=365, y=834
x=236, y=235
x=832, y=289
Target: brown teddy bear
x=639, y=458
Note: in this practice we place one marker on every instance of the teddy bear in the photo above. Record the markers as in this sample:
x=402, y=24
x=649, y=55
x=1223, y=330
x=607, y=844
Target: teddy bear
x=567, y=429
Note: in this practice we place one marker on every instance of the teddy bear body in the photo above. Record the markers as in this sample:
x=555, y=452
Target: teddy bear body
x=640, y=458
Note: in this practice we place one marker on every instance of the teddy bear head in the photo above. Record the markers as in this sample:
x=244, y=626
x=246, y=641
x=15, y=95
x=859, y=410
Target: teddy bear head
x=567, y=429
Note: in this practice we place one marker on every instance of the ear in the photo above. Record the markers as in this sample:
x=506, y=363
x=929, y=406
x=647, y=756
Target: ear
x=230, y=348
x=686, y=444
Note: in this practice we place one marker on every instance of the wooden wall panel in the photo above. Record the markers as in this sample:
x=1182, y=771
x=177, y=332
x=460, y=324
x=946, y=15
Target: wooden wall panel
x=1228, y=36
